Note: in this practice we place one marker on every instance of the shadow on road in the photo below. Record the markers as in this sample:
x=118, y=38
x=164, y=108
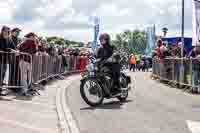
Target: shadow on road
x=5, y=99
x=109, y=105
x=23, y=98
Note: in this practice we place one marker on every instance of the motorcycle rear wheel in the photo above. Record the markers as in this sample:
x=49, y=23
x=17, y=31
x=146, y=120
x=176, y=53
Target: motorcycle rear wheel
x=99, y=89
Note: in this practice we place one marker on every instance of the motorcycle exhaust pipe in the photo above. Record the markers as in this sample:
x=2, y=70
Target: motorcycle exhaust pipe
x=129, y=88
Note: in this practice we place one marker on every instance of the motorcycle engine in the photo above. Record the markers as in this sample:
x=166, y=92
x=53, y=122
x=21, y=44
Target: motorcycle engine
x=116, y=57
x=123, y=82
x=109, y=81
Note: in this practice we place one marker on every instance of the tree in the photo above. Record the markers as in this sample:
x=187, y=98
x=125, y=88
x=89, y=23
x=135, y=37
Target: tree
x=132, y=41
x=62, y=41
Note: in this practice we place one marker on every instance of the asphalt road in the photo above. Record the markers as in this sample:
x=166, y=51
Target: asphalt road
x=151, y=108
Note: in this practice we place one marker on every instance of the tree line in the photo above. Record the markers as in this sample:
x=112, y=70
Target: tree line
x=128, y=41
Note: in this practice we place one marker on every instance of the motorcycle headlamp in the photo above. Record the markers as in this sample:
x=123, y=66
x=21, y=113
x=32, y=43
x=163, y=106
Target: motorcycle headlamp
x=90, y=67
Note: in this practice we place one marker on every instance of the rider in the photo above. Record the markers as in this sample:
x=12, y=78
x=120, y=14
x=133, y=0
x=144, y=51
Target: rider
x=104, y=53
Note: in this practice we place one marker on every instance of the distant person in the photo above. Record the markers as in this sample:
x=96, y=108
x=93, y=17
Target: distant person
x=132, y=62
x=138, y=62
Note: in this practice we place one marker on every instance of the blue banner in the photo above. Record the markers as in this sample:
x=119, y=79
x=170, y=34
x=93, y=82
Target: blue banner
x=96, y=33
x=173, y=41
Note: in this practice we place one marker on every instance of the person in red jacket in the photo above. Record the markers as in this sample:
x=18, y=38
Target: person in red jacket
x=158, y=51
x=83, y=62
x=30, y=47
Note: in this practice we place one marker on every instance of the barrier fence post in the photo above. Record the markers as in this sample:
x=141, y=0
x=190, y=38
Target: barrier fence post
x=191, y=73
x=173, y=71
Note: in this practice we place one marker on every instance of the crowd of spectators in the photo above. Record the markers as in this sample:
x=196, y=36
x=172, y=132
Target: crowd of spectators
x=11, y=47
x=171, y=54
x=171, y=50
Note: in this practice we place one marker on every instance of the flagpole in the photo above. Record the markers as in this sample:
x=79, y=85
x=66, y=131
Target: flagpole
x=182, y=40
x=182, y=28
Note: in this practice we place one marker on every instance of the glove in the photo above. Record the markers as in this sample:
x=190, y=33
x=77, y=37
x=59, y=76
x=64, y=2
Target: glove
x=110, y=60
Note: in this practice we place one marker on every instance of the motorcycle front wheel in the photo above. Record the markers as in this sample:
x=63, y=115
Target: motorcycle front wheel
x=91, y=92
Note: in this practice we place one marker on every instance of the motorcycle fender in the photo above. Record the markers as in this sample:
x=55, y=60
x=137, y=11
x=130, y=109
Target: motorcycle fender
x=106, y=91
x=87, y=78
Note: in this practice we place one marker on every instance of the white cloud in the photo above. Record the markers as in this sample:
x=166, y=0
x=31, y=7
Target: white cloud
x=124, y=12
x=5, y=14
x=70, y=18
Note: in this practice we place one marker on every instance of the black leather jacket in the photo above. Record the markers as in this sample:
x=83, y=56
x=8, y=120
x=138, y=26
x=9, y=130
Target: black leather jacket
x=105, y=52
x=5, y=46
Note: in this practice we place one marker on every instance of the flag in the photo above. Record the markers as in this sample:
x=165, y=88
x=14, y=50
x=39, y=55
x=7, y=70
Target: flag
x=96, y=33
x=196, y=23
x=150, y=39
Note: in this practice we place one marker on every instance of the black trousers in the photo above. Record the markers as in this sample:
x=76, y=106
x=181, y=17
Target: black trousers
x=116, y=67
x=132, y=66
x=115, y=72
x=14, y=72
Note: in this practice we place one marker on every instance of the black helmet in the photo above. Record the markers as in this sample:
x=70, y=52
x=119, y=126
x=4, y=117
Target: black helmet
x=104, y=36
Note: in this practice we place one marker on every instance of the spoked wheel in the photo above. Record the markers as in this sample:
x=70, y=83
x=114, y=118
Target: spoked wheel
x=92, y=92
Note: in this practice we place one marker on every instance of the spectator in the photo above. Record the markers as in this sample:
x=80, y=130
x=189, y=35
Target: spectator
x=44, y=46
x=178, y=49
x=15, y=36
x=191, y=53
x=132, y=62
x=138, y=62
x=144, y=64
x=158, y=50
x=50, y=51
x=154, y=53
x=6, y=45
x=29, y=46
x=14, y=79
x=82, y=61
x=196, y=70
x=163, y=50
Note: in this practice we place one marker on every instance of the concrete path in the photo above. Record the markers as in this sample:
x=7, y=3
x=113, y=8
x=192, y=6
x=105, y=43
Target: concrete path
x=37, y=115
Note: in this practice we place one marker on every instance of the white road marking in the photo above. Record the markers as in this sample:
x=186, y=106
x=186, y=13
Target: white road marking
x=194, y=126
x=67, y=123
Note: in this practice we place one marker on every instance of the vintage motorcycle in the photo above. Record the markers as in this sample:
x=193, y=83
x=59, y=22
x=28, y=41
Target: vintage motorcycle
x=97, y=82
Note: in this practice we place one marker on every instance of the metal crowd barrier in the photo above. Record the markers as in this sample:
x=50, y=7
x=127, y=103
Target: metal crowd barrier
x=18, y=70
x=13, y=67
x=180, y=71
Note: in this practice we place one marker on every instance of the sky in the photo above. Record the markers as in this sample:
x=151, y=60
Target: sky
x=70, y=18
